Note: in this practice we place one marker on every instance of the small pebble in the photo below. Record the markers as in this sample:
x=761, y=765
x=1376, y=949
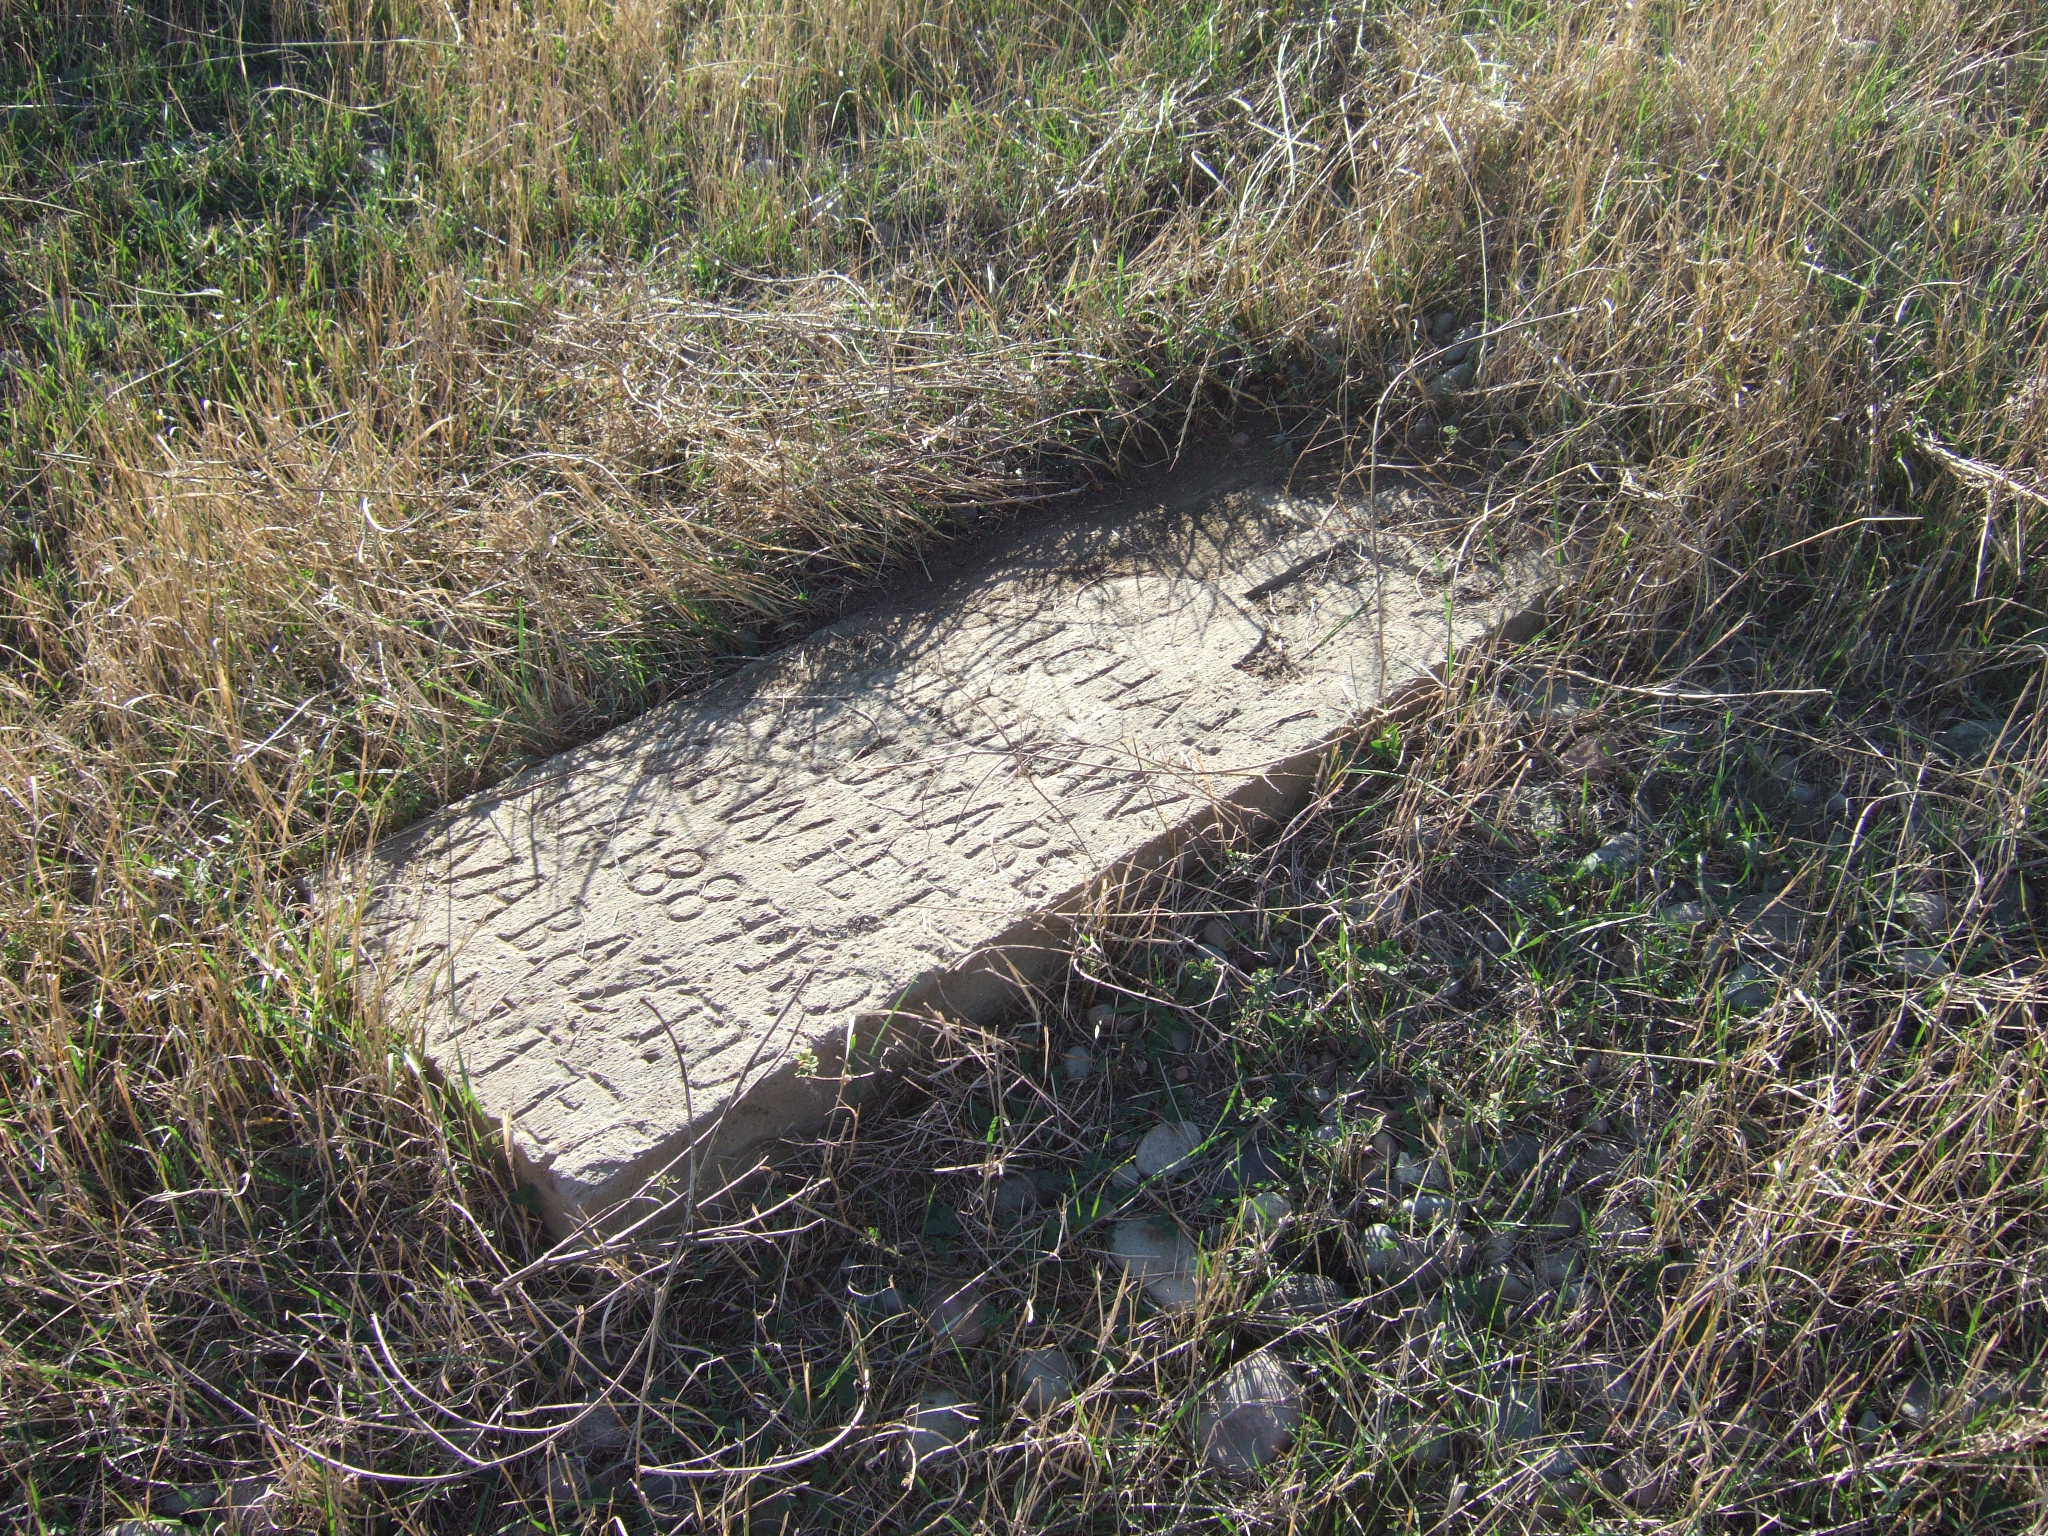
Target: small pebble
x=1169, y=1148
x=1162, y=1258
x=1503, y=1286
x=1918, y=964
x=599, y=1435
x=565, y=1484
x=1431, y=1450
x=1645, y=1487
x=1104, y=1019
x=1969, y=741
x=1429, y=1210
x=1567, y=1216
x=1555, y=1270
x=1927, y=911
x=1518, y=1157
x=1616, y=856
x=873, y=1293
x=1434, y=1176
x=1250, y=1416
x=1916, y=1402
x=1078, y=1064
x=1622, y=1231
x=1517, y=1411
x=1251, y=1169
x=1218, y=935
x=1044, y=1378
x=959, y=1319
x=1264, y=1213
x=1017, y=1196
x=1748, y=989
x=941, y=1423
x=1294, y=1299
x=1459, y=376
x=1386, y=1256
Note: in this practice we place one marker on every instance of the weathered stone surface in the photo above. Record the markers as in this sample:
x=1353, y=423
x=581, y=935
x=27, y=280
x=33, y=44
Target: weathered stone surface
x=651, y=954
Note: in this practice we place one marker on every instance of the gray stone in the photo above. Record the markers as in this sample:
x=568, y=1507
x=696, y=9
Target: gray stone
x=1646, y=1485
x=873, y=1293
x=1263, y=1214
x=652, y=955
x=1250, y=1416
x=1749, y=988
x=959, y=1318
x=1969, y=741
x=1429, y=1210
x=565, y=1484
x=1292, y=1300
x=1919, y=964
x=1624, y=1232
x=1018, y=1196
x=1502, y=1285
x=1429, y=1450
x=1385, y=1256
x=1617, y=856
x=1771, y=924
x=1161, y=1258
x=1252, y=1168
x=939, y=1426
x=1077, y=1064
x=1169, y=1149
x=1217, y=934
x=257, y=1506
x=1567, y=1217
x=1459, y=376
x=1517, y=1411
x=1555, y=1270
x=1518, y=1157
x=1044, y=1378
x=1414, y=1171
x=1928, y=912
x=599, y=1434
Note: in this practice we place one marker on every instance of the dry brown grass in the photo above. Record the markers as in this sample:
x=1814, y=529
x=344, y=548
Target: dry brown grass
x=569, y=342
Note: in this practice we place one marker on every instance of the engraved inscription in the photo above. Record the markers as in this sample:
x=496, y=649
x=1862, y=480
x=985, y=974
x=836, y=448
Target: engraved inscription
x=627, y=950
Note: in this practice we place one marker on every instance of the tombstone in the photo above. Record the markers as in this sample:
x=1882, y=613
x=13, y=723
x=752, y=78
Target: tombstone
x=652, y=955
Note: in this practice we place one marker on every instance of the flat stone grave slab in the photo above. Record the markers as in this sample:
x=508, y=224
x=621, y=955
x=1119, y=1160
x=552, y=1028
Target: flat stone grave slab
x=653, y=954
